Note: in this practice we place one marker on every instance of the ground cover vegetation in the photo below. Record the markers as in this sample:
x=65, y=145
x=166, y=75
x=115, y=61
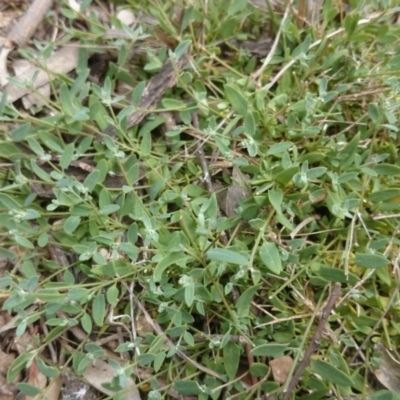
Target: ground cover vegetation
x=208, y=205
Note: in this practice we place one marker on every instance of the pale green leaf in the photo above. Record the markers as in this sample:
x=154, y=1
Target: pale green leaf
x=228, y=256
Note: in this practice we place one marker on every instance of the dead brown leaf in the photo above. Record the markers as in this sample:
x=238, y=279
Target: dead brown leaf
x=281, y=367
x=100, y=372
x=36, y=379
x=27, y=24
x=8, y=391
x=388, y=372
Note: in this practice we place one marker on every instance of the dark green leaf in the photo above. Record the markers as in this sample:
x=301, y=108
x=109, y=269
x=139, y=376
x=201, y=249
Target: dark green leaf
x=330, y=373
x=275, y=197
x=236, y=98
x=259, y=370
x=269, y=350
x=270, y=257
x=231, y=357
x=170, y=259
x=243, y=303
x=337, y=275
x=187, y=388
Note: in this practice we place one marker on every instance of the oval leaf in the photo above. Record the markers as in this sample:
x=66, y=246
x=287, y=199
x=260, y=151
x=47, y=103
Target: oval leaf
x=231, y=359
x=331, y=373
x=99, y=309
x=228, y=256
x=236, y=98
x=269, y=350
x=271, y=258
x=371, y=261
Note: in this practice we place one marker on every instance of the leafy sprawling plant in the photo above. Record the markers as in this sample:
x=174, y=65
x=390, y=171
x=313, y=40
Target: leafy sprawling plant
x=211, y=232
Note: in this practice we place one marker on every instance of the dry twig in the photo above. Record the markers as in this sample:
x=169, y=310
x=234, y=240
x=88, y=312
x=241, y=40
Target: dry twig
x=315, y=342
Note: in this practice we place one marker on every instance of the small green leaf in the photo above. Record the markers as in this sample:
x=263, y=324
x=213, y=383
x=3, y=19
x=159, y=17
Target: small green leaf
x=236, y=98
x=258, y=370
x=228, y=256
x=71, y=223
x=371, y=261
x=112, y=295
x=231, y=357
x=243, y=303
x=235, y=6
x=7, y=253
x=337, y=275
x=9, y=202
x=50, y=372
x=170, y=259
x=99, y=309
x=271, y=258
x=21, y=132
x=43, y=240
x=159, y=360
x=373, y=112
x=66, y=99
x=17, y=366
x=138, y=93
x=182, y=48
x=387, y=169
x=278, y=148
x=77, y=293
x=91, y=180
x=314, y=173
x=67, y=156
x=86, y=323
x=330, y=373
x=385, y=195
x=269, y=350
x=249, y=125
x=109, y=209
x=40, y=173
x=24, y=242
x=275, y=197
x=350, y=23
x=28, y=390
x=189, y=294
x=187, y=388
x=145, y=146
x=173, y=104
